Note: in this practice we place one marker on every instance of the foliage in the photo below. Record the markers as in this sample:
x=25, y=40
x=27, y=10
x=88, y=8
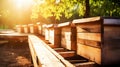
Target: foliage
x=104, y=8
x=63, y=10
x=57, y=10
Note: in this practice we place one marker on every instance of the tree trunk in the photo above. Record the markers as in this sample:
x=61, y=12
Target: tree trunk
x=87, y=9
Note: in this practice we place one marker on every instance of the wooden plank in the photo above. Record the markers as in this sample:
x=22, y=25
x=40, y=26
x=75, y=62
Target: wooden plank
x=59, y=49
x=65, y=62
x=77, y=61
x=90, y=53
x=64, y=24
x=93, y=27
x=89, y=42
x=89, y=36
x=85, y=64
x=67, y=53
x=45, y=57
x=86, y=20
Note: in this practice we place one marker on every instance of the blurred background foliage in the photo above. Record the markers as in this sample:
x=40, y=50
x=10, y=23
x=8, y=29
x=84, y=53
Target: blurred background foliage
x=66, y=10
x=54, y=11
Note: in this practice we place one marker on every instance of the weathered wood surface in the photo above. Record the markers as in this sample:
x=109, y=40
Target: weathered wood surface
x=91, y=43
x=45, y=58
x=89, y=38
x=64, y=24
x=86, y=64
x=67, y=53
x=68, y=37
x=53, y=35
x=89, y=52
x=65, y=62
x=59, y=49
x=94, y=27
x=111, y=47
x=86, y=20
x=98, y=39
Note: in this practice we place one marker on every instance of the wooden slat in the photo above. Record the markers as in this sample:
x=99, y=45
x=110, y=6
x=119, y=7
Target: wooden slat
x=45, y=57
x=86, y=20
x=64, y=24
x=59, y=49
x=87, y=64
x=77, y=61
x=67, y=53
x=88, y=52
x=65, y=62
x=89, y=36
x=89, y=42
x=93, y=27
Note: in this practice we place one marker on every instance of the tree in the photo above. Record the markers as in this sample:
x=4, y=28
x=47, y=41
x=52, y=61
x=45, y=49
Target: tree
x=104, y=8
x=67, y=10
x=56, y=10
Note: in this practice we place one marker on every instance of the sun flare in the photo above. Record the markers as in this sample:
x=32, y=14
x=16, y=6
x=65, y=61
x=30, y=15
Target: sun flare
x=23, y=3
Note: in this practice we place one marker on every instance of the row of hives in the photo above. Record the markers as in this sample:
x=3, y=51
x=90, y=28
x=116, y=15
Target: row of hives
x=96, y=38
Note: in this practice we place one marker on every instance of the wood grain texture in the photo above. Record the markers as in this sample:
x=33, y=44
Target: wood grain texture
x=91, y=43
x=88, y=52
x=44, y=57
x=89, y=36
x=93, y=27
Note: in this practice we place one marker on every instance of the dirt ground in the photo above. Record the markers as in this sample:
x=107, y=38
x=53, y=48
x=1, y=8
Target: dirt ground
x=15, y=54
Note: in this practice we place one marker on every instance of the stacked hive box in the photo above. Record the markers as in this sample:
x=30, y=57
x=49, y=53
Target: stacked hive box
x=49, y=32
x=26, y=28
x=54, y=35
x=97, y=39
x=19, y=28
x=68, y=35
x=39, y=28
x=33, y=28
x=43, y=29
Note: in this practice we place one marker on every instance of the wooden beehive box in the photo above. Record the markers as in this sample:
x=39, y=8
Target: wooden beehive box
x=68, y=35
x=26, y=28
x=33, y=28
x=19, y=29
x=54, y=34
x=97, y=39
x=39, y=28
x=43, y=29
x=49, y=32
